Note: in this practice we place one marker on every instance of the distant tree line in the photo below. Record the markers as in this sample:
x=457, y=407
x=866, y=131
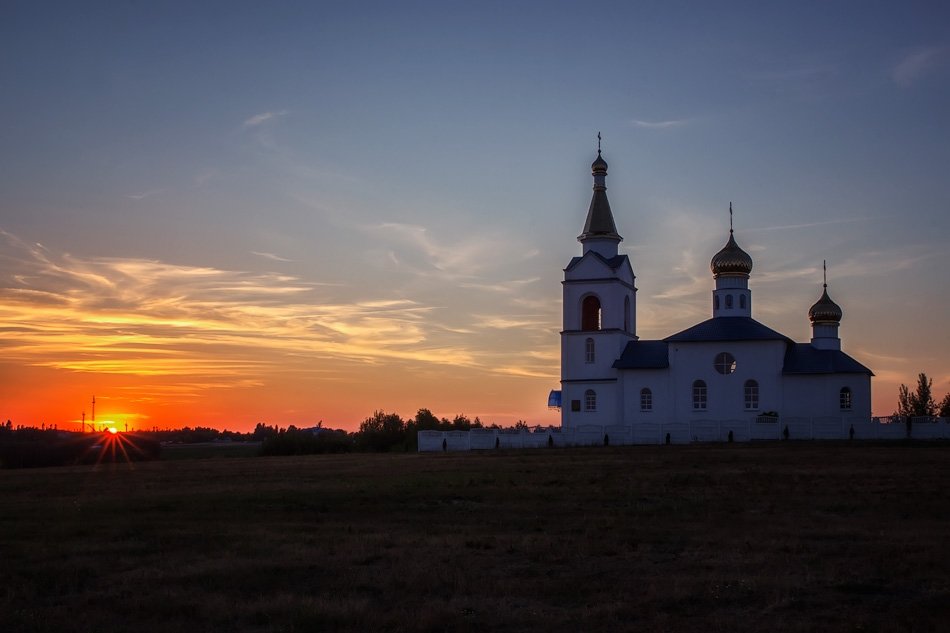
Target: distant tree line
x=380, y=432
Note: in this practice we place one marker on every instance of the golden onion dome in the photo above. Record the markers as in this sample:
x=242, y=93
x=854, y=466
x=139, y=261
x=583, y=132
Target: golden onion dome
x=825, y=311
x=599, y=164
x=731, y=260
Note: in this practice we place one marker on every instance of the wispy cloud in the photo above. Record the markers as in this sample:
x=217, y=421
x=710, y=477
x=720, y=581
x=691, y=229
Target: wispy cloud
x=917, y=64
x=804, y=225
x=659, y=125
x=271, y=256
x=145, y=194
x=146, y=317
x=263, y=117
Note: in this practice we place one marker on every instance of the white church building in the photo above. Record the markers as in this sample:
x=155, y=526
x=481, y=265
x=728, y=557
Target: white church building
x=728, y=372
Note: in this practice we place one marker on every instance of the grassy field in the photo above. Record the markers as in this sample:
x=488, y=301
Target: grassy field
x=778, y=537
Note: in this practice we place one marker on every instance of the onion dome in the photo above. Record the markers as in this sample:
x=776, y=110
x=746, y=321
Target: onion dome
x=825, y=311
x=599, y=165
x=731, y=261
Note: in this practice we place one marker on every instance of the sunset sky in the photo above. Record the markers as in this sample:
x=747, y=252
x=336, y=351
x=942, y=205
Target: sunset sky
x=224, y=213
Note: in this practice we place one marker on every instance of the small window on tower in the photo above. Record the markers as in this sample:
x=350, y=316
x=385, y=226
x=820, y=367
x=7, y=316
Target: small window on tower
x=589, y=351
x=715, y=302
x=728, y=302
x=626, y=314
x=742, y=301
x=590, y=314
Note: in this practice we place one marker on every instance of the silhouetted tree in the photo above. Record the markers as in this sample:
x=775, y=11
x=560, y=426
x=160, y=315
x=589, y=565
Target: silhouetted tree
x=425, y=421
x=382, y=432
x=944, y=411
x=918, y=403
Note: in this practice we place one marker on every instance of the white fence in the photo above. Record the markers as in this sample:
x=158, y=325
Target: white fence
x=830, y=428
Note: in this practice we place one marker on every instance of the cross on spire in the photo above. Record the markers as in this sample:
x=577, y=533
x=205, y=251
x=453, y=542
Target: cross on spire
x=598, y=143
x=730, y=216
x=824, y=269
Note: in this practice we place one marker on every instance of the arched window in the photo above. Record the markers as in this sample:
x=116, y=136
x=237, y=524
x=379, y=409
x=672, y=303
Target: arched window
x=626, y=314
x=589, y=351
x=590, y=400
x=715, y=302
x=742, y=301
x=646, y=399
x=699, y=395
x=751, y=395
x=590, y=313
x=728, y=302
x=845, y=398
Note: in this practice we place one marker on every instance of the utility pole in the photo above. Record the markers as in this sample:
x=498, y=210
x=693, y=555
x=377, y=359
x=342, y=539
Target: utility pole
x=93, y=413
x=82, y=428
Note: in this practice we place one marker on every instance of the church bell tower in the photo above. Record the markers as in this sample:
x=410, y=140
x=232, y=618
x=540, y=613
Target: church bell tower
x=599, y=315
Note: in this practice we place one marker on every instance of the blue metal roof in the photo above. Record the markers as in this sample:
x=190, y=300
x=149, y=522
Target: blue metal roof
x=802, y=358
x=728, y=329
x=644, y=355
x=554, y=398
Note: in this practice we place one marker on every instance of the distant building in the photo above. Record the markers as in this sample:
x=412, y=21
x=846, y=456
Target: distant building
x=727, y=368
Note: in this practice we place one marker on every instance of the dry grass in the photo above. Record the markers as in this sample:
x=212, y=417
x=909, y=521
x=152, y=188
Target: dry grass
x=780, y=537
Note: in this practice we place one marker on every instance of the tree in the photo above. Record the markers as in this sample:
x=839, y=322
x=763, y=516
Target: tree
x=426, y=420
x=382, y=431
x=945, y=407
x=918, y=403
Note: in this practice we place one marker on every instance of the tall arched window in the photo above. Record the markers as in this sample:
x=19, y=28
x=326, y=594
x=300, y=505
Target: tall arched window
x=589, y=350
x=845, y=399
x=728, y=302
x=742, y=301
x=590, y=400
x=699, y=395
x=646, y=399
x=626, y=314
x=715, y=302
x=590, y=313
x=751, y=395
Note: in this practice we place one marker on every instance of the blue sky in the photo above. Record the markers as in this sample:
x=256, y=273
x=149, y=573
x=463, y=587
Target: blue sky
x=420, y=171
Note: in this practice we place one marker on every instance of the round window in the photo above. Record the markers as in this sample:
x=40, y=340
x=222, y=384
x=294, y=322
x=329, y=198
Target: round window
x=725, y=363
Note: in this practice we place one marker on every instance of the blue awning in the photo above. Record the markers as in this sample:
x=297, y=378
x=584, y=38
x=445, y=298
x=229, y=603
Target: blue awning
x=554, y=399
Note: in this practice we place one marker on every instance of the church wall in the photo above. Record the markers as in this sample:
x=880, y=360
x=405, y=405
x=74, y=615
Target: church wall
x=761, y=361
x=819, y=395
x=658, y=382
x=609, y=403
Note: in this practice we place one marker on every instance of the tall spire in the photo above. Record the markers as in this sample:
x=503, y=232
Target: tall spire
x=600, y=221
x=730, y=217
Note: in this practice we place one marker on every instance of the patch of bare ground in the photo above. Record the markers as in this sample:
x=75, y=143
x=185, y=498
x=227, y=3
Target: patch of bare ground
x=778, y=537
